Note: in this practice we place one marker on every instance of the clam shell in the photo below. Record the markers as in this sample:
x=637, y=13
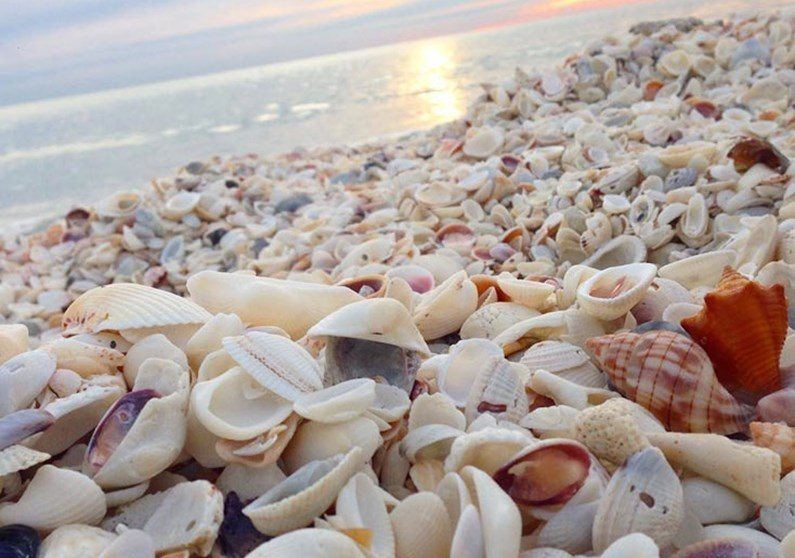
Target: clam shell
x=488, y=321
x=567, y=528
x=711, y=502
x=779, y=520
x=87, y=359
x=262, y=450
x=463, y=364
x=56, y=497
x=736, y=547
x=18, y=426
x=621, y=250
x=767, y=546
x=18, y=458
x=483, y=142
x=703, y=269
x=209, y=337
x=777, y=437
x=277, y=363
x=75, y=540
x=422, y=527
x=123, y=306
x=236, y=407
x=304, y=495
x=660, y=295
x=118, y=204
x=531, y=294
x=13, y=341
x=454, y=493
x=671, y=376
x=444, y=309
x=468, y=536
x=612, y=292
x=156, y=345
x=435, y=409
x=248, y=482
x=315, y=441
x=565, y=360
x=499, y=516
x=360, y=505
x=753, y=472
x=643, y=496
x=487, y=449
x=498, y=389
x=291, y=305
x=557, y=421
x=22, y=378
x=131, y=542
x=390, y=404
x=431, y=441
x=338, y=403
x=551, y=325
x=309, y=543
x=636, y=545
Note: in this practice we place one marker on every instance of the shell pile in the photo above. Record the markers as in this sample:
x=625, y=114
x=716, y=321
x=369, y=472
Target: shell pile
x=558, y=326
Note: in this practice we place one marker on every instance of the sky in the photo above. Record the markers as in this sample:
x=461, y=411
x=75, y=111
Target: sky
x=51, y=48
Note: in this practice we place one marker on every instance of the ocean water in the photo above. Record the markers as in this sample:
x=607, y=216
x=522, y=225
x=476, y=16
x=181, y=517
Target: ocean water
x=59, y=152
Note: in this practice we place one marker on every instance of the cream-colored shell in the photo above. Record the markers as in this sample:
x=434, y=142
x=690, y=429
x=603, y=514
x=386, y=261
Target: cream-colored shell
x=156, y=345
x=391, y=403
x=637, y=277
x=565, y=360
x=531, y=294
x=261, y=301
x=551, y=325
x=316, y=440
x=487, y=449
x=458, y=371
x=248, y=482
x=13, y=341
x=338, y=403
x=435, y=409
x=56, y=497
x=454, y=493
x=22, y=378
x=431, y=441
x=87, y=359
x=382, y=320
x=490, y=320
x=360, y=505
x=703, y=269
x=309, y=543
x=499, y=516
x=209, y=336
x=122, y=306
x=556, y=421
x=422, y=527
x=711, y=502
x=75, y=540
x=779, y=520
x=304, y=495
x=18, y=458
x=132, y=543
x=564, y=392
x=444, y=309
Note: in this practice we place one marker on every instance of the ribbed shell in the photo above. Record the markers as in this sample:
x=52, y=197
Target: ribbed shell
x=742, y=328
x=568, y=361
x=122, y=306
x=422, y=527
x=672, y=377
x=778, y=437
x=498, y=390
x=309, y=543
x=304, y=495
x=276, y=362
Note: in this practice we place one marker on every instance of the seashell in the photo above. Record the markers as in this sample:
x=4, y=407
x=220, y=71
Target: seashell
x=371, y=338
x=567, y=528
x=391, y=403
x=124, y=496
x=767, y=546
x=422, y=526
x=547, y=473
x=672, y=377
x=612, y=292
x=777, y=437
x=75, y=540
x=156, y=345
x=261, y=450
x=316, y=441
x=360, y=505
x=643, y=496
x=557, y=421
x=551, y=325
x=338, y=403
x=309, y=543
x=119, y=204
x=125, y=306
x=500, y=518
x=735, y=547
x=234, y=406
x=742, y=328
x=455, y=495
x=621, y=250
x=703, y=269
x=660, y=295
x=276, y=363
x=368, y=286
x=432, y=441
x=85, y=358
x=19, y=541
x=636, y=545
x=144, y=431
x=464, y=362
x=681, y=154
x=444, y=309
x=777, y=407
x=56, y=497
x=13, y=341
x=131, y=542
x=749, y=470
x=487, y=449
x=22, y=378
x=438, y=195
x=711, y=502
x=532, y=294
x=674, y=63
x=468, y=536
x=672, y=318
x=419, y=278
x=304, y=495
x=398, y=289
x=779, y=520
x=209, y=337
x=435, y=409
x=564, y=360
x=750, y=151
x=610, y=432
x=181, y=204
x=564, y=392
x=498, y=390
x=291, y=305
x=248, y=482
x=18, y=458
x=483, y=142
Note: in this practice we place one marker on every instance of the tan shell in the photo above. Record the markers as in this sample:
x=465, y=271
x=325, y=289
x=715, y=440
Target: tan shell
x=263, y=450
x=18, y=458
x=122, y=306
x=157, y=346
x=315, y=440
x=85, y=358
x=564, y=392
x=444, y=309
x=291, y=305
x=551, y=325
x=209, y=336
x=703, y=269
x=360, y=505
x=13, y=341
x=75, y=540
x=492, y=319
x=304, y=495
x=612, y=292
x=431, y=441
x=500, y=518
x=56, y=497
x=435, y=409
x=422, y=527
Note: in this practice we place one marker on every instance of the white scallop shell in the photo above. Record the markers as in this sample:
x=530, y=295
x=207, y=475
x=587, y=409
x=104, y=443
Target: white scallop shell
x=498, y=389
x=457, y=372
x=338, y=403
x=277, y=363
x=565, y=360
x=454, y=493
x=468, y=537
x=612, y=292
x=304, y=495
x=422, y=526
x=56, y=497
x=122, y=306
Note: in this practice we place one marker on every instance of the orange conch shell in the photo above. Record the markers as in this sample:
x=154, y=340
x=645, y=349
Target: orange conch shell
x=742, y=327
x=778, y=437
x=671, y=376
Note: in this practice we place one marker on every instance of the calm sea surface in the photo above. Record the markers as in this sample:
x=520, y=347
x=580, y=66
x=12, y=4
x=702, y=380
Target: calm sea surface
x=57, y=152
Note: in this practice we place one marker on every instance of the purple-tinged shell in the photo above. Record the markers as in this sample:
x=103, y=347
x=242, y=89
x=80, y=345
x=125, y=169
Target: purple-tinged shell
x=115, y=425
x=17, y=426
x=719, y=548
x=237, y=535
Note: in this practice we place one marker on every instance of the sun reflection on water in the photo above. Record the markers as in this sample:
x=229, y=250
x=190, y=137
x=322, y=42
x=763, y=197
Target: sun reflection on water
x=430, y=78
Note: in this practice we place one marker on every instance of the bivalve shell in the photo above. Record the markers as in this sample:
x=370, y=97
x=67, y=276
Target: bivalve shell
x=309, y=543
x=338, y=403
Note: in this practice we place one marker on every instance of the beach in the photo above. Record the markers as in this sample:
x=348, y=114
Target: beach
x=557, y=325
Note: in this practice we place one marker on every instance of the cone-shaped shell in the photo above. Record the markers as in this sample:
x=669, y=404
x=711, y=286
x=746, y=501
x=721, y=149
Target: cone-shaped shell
x=56, y=497
x=309, y=543
x=121, y=306
x=304, y=495
x=742, y=328
x=612, y=292
x=261, y=301
x=444, y=309
x=777, y=437
x=277, y=363
x=672, y=377
x=383, y=320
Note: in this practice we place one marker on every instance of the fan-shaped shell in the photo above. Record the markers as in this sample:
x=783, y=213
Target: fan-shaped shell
x=612, y=292
x=742, y=328
x=498, y=389
x=435, y=409
x=500, y=518
x=304, y=495
x=277, y=363
x=56, y=497
x=121, y=306
x=360, y=505
x=422, y=526
x=492, y=319
x=671, y=376
x=565, y=360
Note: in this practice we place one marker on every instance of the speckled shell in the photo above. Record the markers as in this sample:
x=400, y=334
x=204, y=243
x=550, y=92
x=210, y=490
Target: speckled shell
x=742, y=328
x=671, y=376
x=778, y=437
